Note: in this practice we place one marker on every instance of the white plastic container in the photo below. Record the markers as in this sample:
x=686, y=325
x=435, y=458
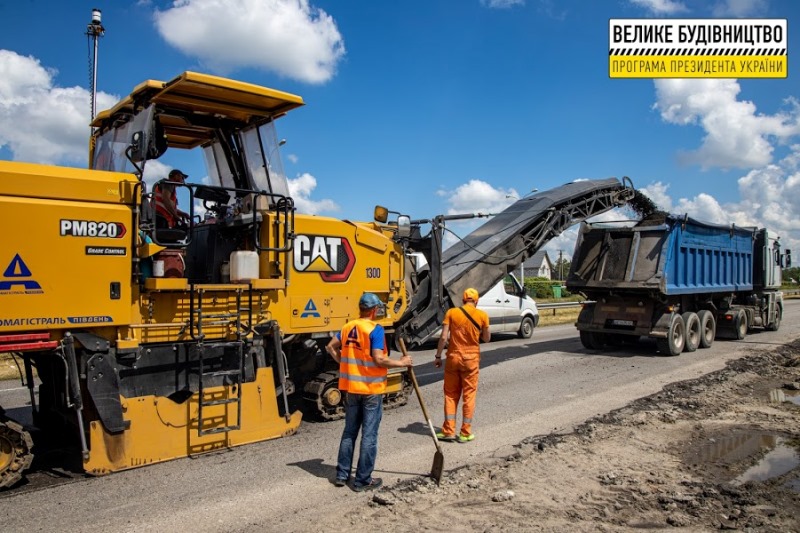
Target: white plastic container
x=244, y=266
x=225, y=272
x=158, y=269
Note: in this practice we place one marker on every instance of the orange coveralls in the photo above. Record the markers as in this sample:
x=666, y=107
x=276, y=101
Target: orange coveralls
x=462, y=366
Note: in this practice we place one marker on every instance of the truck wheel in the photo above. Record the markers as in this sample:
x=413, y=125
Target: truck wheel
x=675, y=341
x=775, y=324
x=526, y=328
x=740, y=325
x=691, y=323
x=708, y=328
x=592, y=340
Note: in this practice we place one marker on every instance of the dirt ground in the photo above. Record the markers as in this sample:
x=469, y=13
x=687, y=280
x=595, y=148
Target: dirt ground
x=717, y=453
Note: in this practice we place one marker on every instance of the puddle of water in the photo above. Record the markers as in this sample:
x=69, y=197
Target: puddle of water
x=784, y=395
x=778, y=461
x=734, y=448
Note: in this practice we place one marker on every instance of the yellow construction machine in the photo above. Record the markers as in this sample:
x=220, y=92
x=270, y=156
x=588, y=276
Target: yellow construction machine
x=156, y=343
x=150, y=343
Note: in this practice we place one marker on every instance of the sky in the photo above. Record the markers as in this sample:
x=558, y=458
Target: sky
x=428, y=106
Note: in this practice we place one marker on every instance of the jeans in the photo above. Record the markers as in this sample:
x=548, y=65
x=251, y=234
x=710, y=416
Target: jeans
x=362, y=411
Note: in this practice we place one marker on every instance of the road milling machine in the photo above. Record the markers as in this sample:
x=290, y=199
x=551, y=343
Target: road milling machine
x=150, y=343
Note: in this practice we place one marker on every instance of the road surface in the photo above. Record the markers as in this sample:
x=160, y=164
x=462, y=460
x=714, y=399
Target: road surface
x=546, y=384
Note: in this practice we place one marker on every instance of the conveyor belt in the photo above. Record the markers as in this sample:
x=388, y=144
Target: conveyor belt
x=500, y=245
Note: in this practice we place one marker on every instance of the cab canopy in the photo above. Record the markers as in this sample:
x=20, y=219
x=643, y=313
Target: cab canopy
x=231, y=121
x=192, y=106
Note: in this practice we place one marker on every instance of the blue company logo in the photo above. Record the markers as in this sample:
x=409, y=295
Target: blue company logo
x=17, y=270
x=310, y=310
x=352, y=338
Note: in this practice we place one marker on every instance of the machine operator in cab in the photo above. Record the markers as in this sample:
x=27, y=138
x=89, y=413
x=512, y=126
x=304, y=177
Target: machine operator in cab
x=167, y=213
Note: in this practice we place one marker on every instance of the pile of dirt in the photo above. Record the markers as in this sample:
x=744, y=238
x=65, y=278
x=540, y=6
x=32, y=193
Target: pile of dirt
x=687, y=458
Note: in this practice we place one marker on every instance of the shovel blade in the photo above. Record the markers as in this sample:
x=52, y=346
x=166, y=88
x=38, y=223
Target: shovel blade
x=438, y=467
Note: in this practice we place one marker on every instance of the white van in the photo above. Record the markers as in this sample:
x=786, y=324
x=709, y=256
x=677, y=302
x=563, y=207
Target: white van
x=509, y=307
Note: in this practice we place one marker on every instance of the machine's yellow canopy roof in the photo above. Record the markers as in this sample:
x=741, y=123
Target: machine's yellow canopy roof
x=187, y=102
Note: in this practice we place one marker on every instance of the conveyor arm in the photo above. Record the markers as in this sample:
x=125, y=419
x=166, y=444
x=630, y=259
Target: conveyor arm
x=500, y=245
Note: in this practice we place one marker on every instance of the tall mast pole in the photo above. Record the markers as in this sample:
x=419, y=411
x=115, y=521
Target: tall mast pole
x=95, y=30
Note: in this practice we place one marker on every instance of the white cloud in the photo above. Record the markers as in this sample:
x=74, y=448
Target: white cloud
x=502, y=4
x=300, y=189
x=736, y=135
x=155, y=170
x=55, y=119
x=739, y=8
x=289, y=37
x=769, y=198
x=475, y=196
x=293, y=158
x=657, y=192
x=661, y=7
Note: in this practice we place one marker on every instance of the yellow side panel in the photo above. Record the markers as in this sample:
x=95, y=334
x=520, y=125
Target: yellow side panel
x=63, y=264
x=317, y=312
x=331, y=264
x=29, y=180
x=161, y=429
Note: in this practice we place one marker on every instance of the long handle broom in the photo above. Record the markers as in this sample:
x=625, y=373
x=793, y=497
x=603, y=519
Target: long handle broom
x=438, y=457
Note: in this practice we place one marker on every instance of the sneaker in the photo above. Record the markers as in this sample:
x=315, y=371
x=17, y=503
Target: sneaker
x=339, y=482
x=466, y=438
x=374, y=483
x=446, y=438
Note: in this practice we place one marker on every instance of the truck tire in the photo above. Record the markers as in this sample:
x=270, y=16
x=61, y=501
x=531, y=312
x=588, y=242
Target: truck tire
x=592, y=340
x=708, y=328
x=740, y=325
x=525, y=328
x=676, y=338
x=775, y=324
x=691, y=323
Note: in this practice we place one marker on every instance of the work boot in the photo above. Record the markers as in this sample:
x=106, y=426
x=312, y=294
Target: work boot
x=466, y=438
x=445, y=438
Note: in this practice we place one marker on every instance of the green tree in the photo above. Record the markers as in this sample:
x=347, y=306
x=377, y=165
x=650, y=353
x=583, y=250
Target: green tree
x=561, y=268
x=790, y=274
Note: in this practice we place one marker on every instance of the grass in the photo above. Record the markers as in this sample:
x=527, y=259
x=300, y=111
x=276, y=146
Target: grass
x=8, y=368
x=556, y=316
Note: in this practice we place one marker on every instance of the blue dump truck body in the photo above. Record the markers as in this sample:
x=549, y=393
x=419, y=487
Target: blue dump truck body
x=679, y=280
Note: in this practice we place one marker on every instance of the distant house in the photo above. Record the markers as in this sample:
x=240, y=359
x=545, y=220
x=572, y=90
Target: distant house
x=538, y=265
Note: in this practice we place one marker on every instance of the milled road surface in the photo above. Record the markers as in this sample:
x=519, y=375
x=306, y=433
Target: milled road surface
x=547, y=384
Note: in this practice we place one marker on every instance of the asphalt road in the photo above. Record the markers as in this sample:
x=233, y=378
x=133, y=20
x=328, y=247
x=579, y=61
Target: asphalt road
x=549, y=383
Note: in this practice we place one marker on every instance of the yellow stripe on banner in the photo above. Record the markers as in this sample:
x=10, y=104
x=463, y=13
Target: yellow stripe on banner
x=698, y=66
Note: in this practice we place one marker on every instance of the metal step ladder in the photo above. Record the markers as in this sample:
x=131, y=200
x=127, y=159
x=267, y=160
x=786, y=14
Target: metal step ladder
x=234, y=377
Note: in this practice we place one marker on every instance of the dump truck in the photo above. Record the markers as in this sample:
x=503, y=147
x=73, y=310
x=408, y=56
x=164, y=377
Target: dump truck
x=144, y=343
x=677, y=280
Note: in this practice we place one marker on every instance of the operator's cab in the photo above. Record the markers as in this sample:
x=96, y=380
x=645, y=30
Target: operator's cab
x=232, y=123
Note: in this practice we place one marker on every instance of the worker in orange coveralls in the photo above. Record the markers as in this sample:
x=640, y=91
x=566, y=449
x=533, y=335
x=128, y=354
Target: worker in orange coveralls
x=465, y=326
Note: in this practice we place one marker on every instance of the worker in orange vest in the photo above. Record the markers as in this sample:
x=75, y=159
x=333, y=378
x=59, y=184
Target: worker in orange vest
x=360, y=350
x=465, y=327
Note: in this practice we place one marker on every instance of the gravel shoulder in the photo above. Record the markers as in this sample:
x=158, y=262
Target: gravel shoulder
x=690, y=458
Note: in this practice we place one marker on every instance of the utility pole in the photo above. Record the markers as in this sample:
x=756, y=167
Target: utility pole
x=94, y=30
x=561, y=265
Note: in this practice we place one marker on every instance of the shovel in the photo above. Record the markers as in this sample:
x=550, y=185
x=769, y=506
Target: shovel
x=438, y=457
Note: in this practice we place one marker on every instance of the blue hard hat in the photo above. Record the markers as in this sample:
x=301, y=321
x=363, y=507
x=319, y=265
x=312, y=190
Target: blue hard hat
x=369, y=300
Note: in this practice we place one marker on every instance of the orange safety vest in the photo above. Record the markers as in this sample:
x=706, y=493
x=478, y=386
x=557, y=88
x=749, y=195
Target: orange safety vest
x=358, y=372
x=161, y=209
